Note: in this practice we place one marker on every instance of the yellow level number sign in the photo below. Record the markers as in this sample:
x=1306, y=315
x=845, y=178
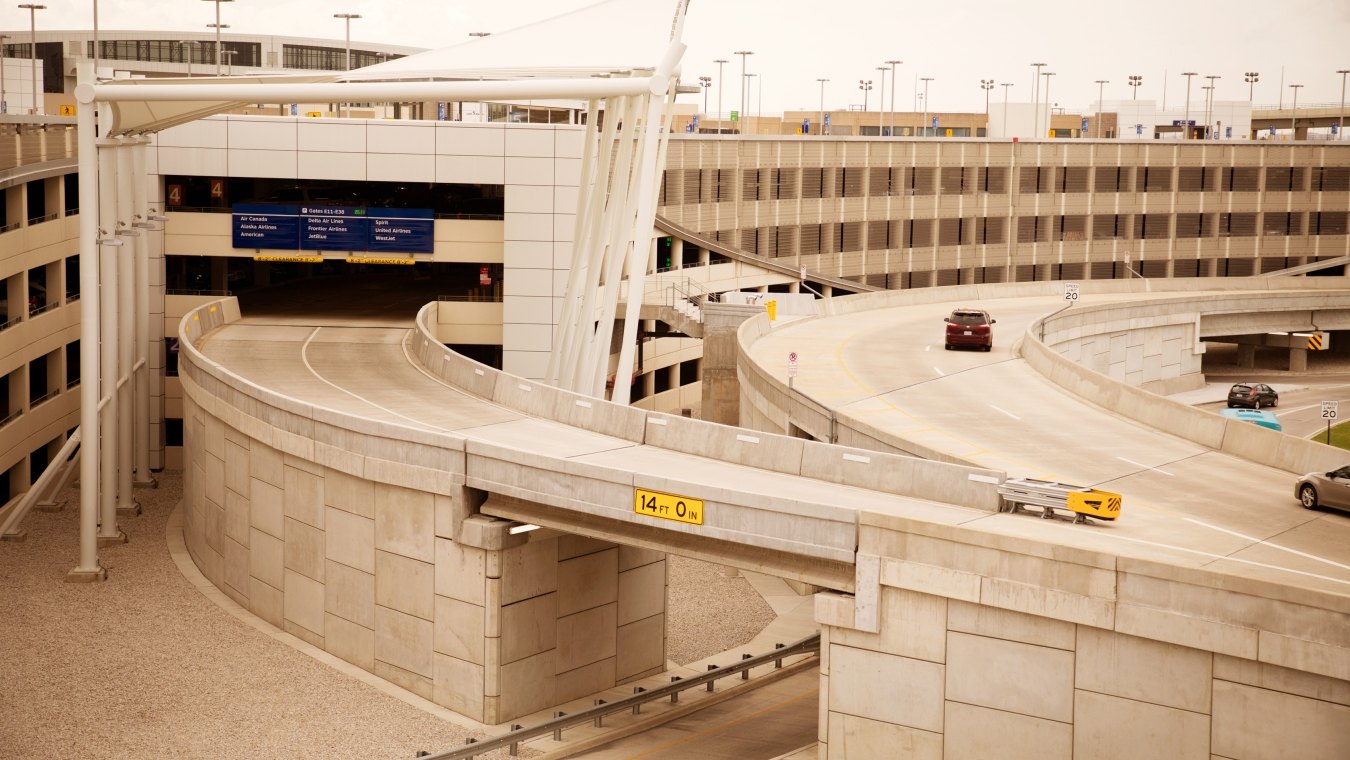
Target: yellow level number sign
x=668, y=506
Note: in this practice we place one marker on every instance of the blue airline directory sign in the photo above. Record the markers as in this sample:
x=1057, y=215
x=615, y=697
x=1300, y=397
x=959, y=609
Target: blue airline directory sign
x=265, y=226
x=402, y=230
x=333, y=228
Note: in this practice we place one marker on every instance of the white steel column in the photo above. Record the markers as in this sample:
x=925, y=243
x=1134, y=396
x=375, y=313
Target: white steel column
x=564, y=337
x=139, y=206
x=106, y=377
x=88, y=568
x=126, y=321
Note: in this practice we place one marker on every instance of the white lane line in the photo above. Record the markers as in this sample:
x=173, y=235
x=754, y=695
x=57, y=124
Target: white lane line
x=1253, y=539
x=1146, y=467
x=1232, y=559
x=939, y=371
x=1005, y=411
x=304, y=356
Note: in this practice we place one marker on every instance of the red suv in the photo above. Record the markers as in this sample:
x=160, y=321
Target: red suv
x=969, y=327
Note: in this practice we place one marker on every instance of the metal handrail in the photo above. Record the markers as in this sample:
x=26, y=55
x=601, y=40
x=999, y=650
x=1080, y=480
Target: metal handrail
x=197, y=293
x=49, y=306
x=14, y=415
x=555, y=726
x=49, y=395
x=6, y=325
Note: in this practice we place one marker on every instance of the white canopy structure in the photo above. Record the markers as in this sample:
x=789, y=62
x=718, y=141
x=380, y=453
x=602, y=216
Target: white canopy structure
x=623, y=154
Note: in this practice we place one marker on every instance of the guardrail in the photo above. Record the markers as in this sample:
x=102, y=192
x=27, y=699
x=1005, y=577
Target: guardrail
x=49, y=306
x=809, y=645
x=49, y=395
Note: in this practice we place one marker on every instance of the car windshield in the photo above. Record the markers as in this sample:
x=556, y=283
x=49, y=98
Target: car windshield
x=968, y=317
x=1243, y=389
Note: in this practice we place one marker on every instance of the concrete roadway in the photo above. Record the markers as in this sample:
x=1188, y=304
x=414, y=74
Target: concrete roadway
x=1183, y=503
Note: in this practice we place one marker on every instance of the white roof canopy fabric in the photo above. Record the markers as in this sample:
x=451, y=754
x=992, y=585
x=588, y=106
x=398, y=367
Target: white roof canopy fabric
x=624, y=37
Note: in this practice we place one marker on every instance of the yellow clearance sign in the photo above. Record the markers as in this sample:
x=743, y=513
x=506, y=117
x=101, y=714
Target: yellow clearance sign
x=379, y=260
x=292, y=259
x=668, y=506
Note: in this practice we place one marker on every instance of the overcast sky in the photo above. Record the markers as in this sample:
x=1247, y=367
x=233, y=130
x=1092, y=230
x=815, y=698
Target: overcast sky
x=797, y=41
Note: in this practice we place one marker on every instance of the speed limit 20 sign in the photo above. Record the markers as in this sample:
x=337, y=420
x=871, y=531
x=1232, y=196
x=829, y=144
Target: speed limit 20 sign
x=1070, y=291
x=1329, y=409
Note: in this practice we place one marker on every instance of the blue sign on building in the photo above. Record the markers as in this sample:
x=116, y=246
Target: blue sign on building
x=264, y=226
x=1085, y=129
x=402, y=230
x=935, y=123
x=806, y=126
x=333, y=228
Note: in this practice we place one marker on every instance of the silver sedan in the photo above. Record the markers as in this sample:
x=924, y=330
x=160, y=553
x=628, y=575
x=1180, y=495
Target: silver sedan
x=1326, y=489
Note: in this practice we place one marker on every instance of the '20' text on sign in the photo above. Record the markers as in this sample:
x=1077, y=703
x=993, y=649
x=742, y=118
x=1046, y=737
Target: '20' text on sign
x=668, y=506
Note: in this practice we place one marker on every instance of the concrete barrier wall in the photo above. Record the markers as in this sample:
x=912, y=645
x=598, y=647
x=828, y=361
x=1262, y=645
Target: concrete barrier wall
x=1167, y=323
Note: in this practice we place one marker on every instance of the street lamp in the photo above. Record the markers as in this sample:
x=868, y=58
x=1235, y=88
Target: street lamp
x=881, y=100
x=1049, y=110
x=1005, y=86
x=750, y=88
x=1209, y=92
x=925, y=81
x=188, y=56
x=822, y=105
x=742, y=54
x=32, y=47
x=347, y=18
x=1036, y=97
x=3, y=108
x=1101, y=90
x=1340, y=115
x=986, y=85
x=720, y=87
x=1214, y=90
x=1186, y=122
x=865, y=85
x=1293, y=118
x=706, y=84
x=1135, y=81
x=218, y=28
x=1251, y=78
x=893, y=64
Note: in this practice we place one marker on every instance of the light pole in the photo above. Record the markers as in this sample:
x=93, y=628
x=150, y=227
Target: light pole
x=1209, y=92
x=1036, y=97
x=749, y=88
x=893, y=64
x=1135, y=81
x=1186, y=122
x=1049, y=110
x=347, y=18
x=1293, y=118
x=1005, y=86
x=720, y=87
x=881, y=99
x=33, y=8
x=822, y=105
x=229, y=61
x=189, y=55
x=926, y=80
x=986, y=85
x=1340, y=115
x=865, y=85
x=706, y=84
x=742, y=54
x=218, y=28
x=1101, y=94
x=219, y=55
x=1214, y=90
x=3, y=108
x=1251, y=78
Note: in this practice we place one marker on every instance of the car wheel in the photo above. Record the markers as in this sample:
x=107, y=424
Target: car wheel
x=1257, y=405
x=947, y=347
x=1307, y=496
x=988, y=348
x=1275, y=402
x=1230, y=404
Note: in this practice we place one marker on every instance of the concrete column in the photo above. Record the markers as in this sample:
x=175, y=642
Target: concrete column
x=677, y=252
x=1246, y=356
x=1298, y=360
x=721, y=389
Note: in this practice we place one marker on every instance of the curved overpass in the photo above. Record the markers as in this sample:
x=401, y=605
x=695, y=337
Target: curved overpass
x=931, y=588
